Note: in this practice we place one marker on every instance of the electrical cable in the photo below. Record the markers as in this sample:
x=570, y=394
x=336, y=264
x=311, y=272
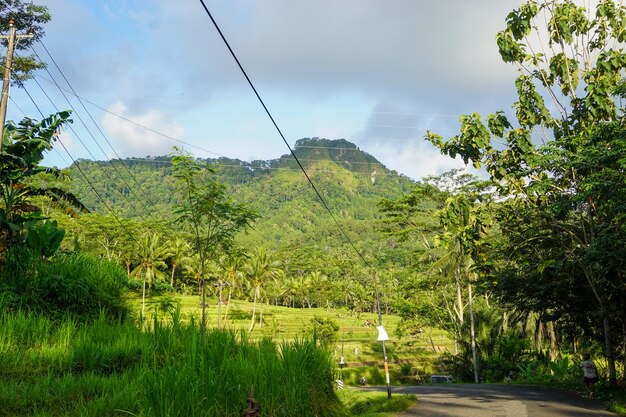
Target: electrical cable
x=103, y=170
x=200, y=148
x=76, y=164
x=102, y=150
x=101, y=133
x=245, y=74
x=86, y=178
x=24, y=114
x=126, y=119
x=375, y=278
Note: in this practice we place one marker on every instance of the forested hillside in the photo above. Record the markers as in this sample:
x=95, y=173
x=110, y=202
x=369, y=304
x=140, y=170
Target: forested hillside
x=289, y=212
x=520, y=274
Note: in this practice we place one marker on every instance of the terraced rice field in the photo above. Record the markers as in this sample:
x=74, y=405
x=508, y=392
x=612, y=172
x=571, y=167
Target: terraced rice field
x=357, y=335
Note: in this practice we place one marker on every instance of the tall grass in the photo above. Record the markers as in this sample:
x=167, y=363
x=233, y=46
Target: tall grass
x=74, y=284
x=114, y=368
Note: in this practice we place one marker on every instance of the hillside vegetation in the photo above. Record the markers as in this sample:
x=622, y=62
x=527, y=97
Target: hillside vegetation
x=350, y=181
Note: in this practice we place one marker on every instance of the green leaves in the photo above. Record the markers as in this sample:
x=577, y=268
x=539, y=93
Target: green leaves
x=510, y=49
x=518, y=26
x=205, y=207
x=44, y=238
x=564, y=70
x=23, y=149
x=471, y=143
x=567, y=21
x=27, y=17
x=530, y=109
x=498, y=123
x=518, y=22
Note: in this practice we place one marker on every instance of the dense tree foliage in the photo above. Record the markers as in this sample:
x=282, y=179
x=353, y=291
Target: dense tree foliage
x=560, y=223
x=26, y=17
x=320, y=268
x=21, y=221
x=527, y=265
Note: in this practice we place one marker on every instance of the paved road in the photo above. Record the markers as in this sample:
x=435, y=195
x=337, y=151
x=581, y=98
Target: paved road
x=486, y=400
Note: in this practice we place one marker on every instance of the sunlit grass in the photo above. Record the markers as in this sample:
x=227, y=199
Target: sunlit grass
x=105, y=368
x=375, y=404
x=359, y=341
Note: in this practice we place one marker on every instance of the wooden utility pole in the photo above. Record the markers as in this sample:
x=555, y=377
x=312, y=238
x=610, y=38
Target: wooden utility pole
x=6, y=81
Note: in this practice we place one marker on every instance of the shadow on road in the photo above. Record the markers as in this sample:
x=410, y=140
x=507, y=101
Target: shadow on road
x=498, y=400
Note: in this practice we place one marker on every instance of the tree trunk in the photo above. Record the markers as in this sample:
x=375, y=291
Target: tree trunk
x=219, y=304
x=623, y=321
x=610, y=354
x=599, y=293
x=552, y=337
x=253, y=311
x=459, y=298
x=538, y=335
x=203, y=290
x=624, y=355
x=230, y=292
x=472, y=333
x=172, y=279
x=143, y=299
x=432, y=343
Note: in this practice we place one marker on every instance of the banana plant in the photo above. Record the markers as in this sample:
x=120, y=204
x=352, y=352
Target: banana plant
x=21, y=221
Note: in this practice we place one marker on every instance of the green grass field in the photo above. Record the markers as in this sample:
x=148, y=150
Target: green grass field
x=167, y=369
x=359, y=340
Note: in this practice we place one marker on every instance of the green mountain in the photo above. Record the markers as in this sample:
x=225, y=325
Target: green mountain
x=350, y=181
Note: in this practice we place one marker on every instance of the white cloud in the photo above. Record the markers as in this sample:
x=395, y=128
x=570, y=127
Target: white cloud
x=133, y=140
x=412, y=61
x=68, y=141
x=414, y=159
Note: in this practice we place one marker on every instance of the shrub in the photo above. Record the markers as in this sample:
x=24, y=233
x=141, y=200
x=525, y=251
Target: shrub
x=73, y=284
x=372, y=374
x=324, y=329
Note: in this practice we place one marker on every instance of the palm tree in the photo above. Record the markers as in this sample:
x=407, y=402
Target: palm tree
x=178, y=254
x=292, y=291
x=193, y=269
x=151, y=255
x=279, y=288
x=318, y=288
x=463, y=224
x=260, y=268
x=232, y=265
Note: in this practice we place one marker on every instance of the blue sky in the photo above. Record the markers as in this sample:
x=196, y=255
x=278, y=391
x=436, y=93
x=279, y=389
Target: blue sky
x=376, y=72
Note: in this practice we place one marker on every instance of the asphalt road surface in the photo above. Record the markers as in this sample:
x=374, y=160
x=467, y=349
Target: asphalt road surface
x=486, y=400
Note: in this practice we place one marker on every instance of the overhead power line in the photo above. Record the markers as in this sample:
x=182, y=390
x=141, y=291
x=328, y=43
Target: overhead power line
x=104, y=171
x=146, y=196
x=113, y=183
x=71, y=157
x=380, y=320
x=86, y=178
x=269, y=114
x=133, y=122
x=205, y=150
x=24, y=114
